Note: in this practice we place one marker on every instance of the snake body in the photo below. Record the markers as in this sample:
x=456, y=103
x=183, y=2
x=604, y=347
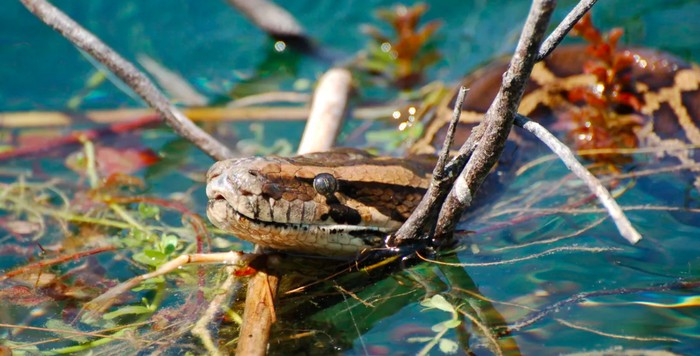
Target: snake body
x=342, y=202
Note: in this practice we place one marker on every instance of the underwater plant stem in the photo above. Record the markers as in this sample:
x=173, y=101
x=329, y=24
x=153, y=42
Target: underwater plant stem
x=91, y=165
x=55, y=261
x=122, y=213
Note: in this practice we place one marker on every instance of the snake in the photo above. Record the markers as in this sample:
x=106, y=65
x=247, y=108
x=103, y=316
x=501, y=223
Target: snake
x=346, y=201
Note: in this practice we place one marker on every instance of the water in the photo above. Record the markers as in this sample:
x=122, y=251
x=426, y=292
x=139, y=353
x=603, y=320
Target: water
x=217, y=51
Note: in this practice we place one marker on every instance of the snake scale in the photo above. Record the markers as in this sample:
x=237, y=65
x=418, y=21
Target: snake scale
x=345, y=201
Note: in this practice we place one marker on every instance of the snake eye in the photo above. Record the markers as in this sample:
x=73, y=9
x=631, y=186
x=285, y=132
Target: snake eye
x=325, y=184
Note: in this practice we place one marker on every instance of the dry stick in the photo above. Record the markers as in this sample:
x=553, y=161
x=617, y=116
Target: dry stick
x=437, y=190
x=83, y=39
x=623, y=224
x=328, y=105
x=564, y=27
x=498, y=118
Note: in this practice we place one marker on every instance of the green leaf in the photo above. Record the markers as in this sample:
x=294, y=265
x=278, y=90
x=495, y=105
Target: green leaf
x=169, y=244
x=439, y=327
x=150, y=258
x=447, y=324
x=451, y=324
x=448, y=346
x=441, y=303
x=148, y=211
x=127, y=310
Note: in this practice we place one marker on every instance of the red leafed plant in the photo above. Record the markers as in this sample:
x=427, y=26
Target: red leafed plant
x=604, y=121
x=407, y=54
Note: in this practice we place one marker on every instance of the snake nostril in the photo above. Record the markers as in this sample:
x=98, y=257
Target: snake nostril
x=213, y=176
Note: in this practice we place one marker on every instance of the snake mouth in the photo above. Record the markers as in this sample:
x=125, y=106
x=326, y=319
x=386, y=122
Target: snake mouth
x=323, y=239
x=225, y=216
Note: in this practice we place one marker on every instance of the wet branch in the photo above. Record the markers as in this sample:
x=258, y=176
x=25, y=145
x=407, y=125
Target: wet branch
x=564, y=27
x=127, y=72
x=498, y=120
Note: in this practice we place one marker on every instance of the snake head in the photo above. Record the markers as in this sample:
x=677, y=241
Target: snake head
x=333, y=203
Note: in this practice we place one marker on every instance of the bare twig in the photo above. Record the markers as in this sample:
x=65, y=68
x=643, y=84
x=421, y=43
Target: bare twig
x=564, y=27
x=449, y=137
x=498, y=119
x=437, y=191
x=623, y=224
x=460, y=160
x=126, y=71
x=259, y=314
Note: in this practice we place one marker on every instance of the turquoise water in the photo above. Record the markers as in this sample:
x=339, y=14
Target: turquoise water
x=216, y=50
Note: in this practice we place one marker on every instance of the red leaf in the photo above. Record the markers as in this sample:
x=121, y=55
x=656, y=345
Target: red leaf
x=126, y=161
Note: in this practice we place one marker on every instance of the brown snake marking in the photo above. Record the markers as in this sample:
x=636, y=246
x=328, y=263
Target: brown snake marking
x=272, y=201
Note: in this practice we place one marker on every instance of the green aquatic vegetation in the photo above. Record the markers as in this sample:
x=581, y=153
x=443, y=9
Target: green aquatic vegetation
x=445, y=345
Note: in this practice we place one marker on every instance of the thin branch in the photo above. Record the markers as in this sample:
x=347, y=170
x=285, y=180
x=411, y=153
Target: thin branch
x=498, y=119
x=128, y=73
x=623, y=224
x=437, y=191
x=439, y=171
x=564, y=27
